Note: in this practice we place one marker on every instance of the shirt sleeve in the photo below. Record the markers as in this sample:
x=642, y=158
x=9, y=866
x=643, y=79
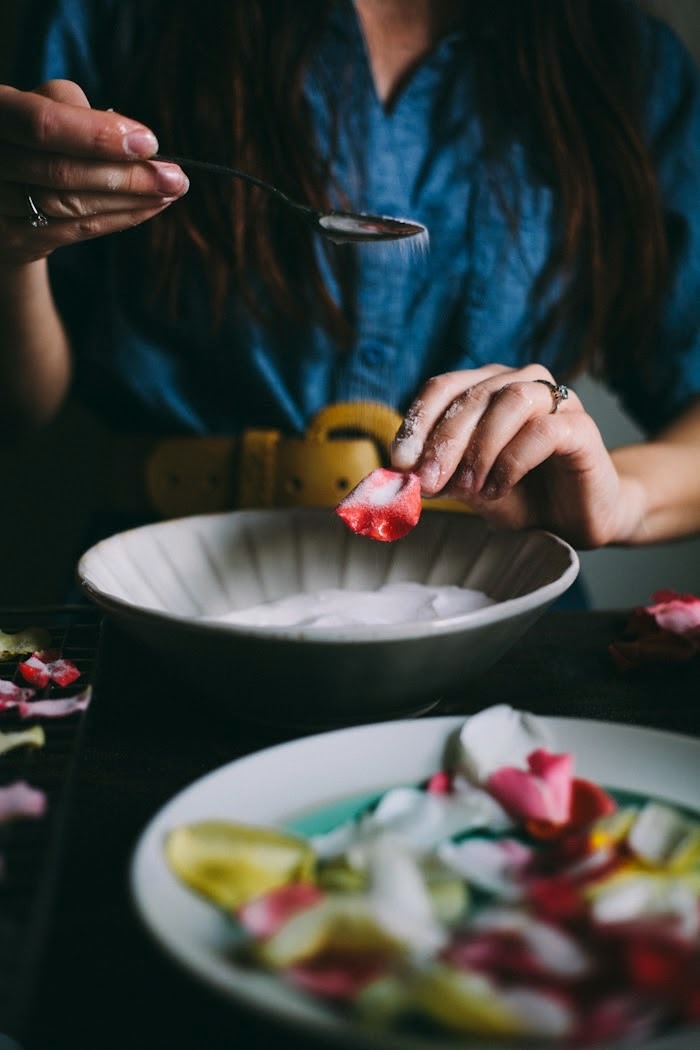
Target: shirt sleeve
x=672, y=118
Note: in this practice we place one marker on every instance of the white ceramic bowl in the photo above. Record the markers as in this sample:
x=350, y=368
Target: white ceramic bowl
x=161, y=581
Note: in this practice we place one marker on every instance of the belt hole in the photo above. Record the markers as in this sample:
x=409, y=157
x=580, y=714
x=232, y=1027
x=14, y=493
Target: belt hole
x=294, y=485
x=212, y=481
x=342, y=484
x=173, y=480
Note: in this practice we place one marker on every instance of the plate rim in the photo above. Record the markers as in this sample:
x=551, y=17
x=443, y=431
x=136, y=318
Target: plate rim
x=323, y=1022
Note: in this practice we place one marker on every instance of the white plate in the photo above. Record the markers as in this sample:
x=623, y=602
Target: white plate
x=281, y=783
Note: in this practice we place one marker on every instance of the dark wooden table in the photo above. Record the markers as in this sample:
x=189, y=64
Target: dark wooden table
x=103, y=983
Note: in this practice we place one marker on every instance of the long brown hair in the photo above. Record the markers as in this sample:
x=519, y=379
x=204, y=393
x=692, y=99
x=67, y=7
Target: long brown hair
x=560, y=76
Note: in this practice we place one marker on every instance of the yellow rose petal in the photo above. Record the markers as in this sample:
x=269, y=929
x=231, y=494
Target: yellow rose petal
x=230, y=864
x=30, y=640
x=343, y=925
x=33, y=737
x=465, y=1002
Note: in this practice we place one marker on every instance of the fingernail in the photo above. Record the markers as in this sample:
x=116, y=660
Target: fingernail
x=490, y=491
x=405, y=451
x=430, y=474
x=171, y=181
x=140, y=144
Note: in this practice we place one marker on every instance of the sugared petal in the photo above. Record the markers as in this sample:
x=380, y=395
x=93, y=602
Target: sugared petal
x=617, y=1017
x=40, y=672
x=551, y=950
x=338, y=925
x=22, y=642
x=35, y=671
x=60, y=708
x=337, y=979
x=12, y=695
x=420, y=818
x=33, y=737
x=678, y=613
x=19, y=800
x=466, y=1002
x=494, y=865
x=542, y=794
x=632, y=896
x=499, y=736
x=400, y=898
x=230, y=864
x=662, y=836
x=542, y=1013
x=264, y=916
x=385, y=505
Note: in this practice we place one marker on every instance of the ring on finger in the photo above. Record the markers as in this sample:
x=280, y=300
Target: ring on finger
x=558, y=391
x=36, y=217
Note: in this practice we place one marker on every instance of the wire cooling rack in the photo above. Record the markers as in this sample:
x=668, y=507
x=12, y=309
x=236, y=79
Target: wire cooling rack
x=30, y=849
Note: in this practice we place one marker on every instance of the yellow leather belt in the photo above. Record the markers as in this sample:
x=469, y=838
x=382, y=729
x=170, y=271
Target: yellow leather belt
x=177, y=476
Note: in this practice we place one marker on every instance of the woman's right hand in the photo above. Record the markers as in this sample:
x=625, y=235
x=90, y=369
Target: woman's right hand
x=86, y=170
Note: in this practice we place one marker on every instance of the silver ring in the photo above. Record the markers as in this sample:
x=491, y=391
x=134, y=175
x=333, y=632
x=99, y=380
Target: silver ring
x=558, y=391
x=36, y=218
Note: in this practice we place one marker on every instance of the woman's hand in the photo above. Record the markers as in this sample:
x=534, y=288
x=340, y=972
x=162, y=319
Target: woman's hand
x=489, y=437
x=86, y=170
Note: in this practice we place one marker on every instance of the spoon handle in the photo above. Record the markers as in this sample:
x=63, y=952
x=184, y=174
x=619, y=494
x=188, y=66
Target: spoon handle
x=223, y=169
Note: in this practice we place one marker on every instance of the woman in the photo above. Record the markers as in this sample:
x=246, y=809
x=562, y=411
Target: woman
x=551, y=148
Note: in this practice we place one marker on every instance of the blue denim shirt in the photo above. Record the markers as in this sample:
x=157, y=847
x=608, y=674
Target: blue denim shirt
x=465, y=303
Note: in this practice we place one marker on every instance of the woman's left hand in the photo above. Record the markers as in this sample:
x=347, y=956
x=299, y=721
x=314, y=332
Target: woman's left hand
x=490, y=437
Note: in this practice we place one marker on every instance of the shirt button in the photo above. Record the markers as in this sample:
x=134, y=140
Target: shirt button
x=372, y=353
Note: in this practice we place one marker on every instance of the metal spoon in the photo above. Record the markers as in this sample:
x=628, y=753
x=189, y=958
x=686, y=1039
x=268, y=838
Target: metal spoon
x=338, y=226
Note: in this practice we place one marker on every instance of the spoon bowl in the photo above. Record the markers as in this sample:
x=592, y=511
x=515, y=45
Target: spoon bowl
x=338, y=226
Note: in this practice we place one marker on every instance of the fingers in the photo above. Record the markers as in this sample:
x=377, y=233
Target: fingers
x=92, y=194
x=433, y=402
x=85, y=169
x=532, y=444
x=58, y=233
x=37, y=120
x=59, y=172
x=457, y=446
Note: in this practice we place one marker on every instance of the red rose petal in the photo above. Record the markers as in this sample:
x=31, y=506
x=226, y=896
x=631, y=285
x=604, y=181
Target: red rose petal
x=39, y=671
x=35, y=671
x=340, y=979
x=440, y=783
x=63, y=672
x=385, y=505
x=265, y=915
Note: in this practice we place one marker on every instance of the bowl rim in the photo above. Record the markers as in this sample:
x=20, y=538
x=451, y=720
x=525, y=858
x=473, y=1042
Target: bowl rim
x=536, y=599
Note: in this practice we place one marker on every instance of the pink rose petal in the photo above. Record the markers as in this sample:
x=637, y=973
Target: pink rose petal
x=667, y=631
x=19, y=800
x=61, y=708
x=678, y=613
x=265, y=915
x=12, y=695
x=542, y=793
